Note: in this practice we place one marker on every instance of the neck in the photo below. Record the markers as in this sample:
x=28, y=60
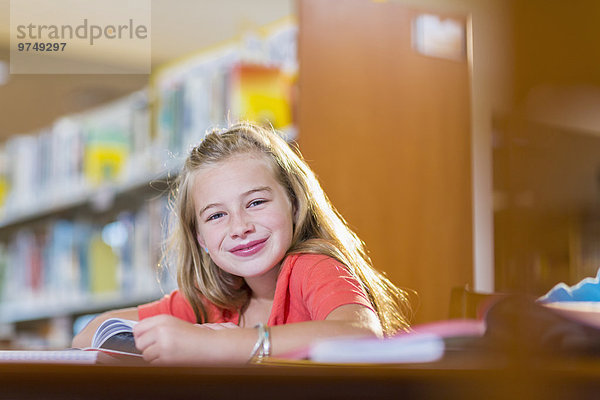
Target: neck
x=263, y=286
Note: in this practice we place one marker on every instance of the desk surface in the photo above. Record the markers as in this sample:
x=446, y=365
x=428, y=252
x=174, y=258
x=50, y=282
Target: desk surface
x=289, y=382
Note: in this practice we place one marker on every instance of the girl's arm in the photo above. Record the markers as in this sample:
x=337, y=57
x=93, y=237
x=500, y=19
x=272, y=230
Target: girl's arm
x=84, y=338
x=167, y=340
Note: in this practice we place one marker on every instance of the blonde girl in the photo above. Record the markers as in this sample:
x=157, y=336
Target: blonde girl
x=265, y=263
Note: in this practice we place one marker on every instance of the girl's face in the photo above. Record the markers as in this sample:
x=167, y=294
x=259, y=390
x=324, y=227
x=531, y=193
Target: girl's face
x=244, y=215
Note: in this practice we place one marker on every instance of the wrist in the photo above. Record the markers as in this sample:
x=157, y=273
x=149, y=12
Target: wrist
x=231, y=345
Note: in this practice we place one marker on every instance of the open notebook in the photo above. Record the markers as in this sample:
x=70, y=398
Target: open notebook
x=113, y=340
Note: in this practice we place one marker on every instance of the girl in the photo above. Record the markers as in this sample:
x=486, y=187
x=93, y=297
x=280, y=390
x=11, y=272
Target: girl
x=265, y=263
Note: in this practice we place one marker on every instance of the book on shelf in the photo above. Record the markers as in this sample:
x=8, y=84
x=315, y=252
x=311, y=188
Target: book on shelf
x=65, y=264
x=262, y=93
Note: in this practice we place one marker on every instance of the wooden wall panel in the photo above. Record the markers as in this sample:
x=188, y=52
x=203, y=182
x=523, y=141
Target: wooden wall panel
x=388, y=132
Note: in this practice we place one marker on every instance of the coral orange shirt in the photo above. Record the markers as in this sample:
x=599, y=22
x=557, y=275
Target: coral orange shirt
x=309, y=287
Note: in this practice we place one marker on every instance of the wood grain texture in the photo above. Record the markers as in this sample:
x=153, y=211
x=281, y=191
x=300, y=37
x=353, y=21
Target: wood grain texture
x=387, y=131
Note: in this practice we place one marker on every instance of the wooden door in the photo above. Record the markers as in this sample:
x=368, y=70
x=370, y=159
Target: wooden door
x=387, y=131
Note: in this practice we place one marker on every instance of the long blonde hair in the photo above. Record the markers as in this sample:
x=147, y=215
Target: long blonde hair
x=318, y=229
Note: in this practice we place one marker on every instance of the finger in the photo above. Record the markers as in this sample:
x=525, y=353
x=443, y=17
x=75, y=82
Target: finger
x=151, y=355
x=143, y=342
x=148, y=323
x=146, y=338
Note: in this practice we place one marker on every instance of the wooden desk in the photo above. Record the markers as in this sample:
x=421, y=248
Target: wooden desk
x=550, y=381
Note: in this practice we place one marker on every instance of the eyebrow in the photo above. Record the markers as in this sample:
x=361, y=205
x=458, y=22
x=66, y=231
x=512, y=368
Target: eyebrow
x=249, y=192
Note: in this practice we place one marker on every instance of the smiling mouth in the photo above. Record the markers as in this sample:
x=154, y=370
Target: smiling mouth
x=248, y=249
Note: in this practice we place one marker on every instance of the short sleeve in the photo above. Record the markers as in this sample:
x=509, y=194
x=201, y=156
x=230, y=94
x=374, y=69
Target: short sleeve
x=326, y=284
x=173, y=304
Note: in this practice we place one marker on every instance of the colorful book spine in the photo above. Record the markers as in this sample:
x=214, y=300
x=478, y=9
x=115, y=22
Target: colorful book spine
x=64, y=261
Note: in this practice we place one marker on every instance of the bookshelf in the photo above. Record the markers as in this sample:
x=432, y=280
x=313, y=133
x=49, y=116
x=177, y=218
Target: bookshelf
x=83, y=203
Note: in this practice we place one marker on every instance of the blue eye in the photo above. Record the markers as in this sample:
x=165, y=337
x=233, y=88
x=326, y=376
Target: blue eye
x=255, y=203
x=215, y=216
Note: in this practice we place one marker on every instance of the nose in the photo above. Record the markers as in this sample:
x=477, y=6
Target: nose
x=240, y=225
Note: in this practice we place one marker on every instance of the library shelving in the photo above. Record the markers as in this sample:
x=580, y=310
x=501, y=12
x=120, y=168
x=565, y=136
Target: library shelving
x=84, y=202
x=80, y=227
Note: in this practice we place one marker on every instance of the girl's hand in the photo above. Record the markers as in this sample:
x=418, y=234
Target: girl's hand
x=164, y=339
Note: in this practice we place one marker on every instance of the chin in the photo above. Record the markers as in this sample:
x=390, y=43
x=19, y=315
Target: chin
x=243, y=269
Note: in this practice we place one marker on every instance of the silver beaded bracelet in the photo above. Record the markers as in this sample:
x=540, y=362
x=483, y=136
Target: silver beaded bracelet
x=262, y=347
